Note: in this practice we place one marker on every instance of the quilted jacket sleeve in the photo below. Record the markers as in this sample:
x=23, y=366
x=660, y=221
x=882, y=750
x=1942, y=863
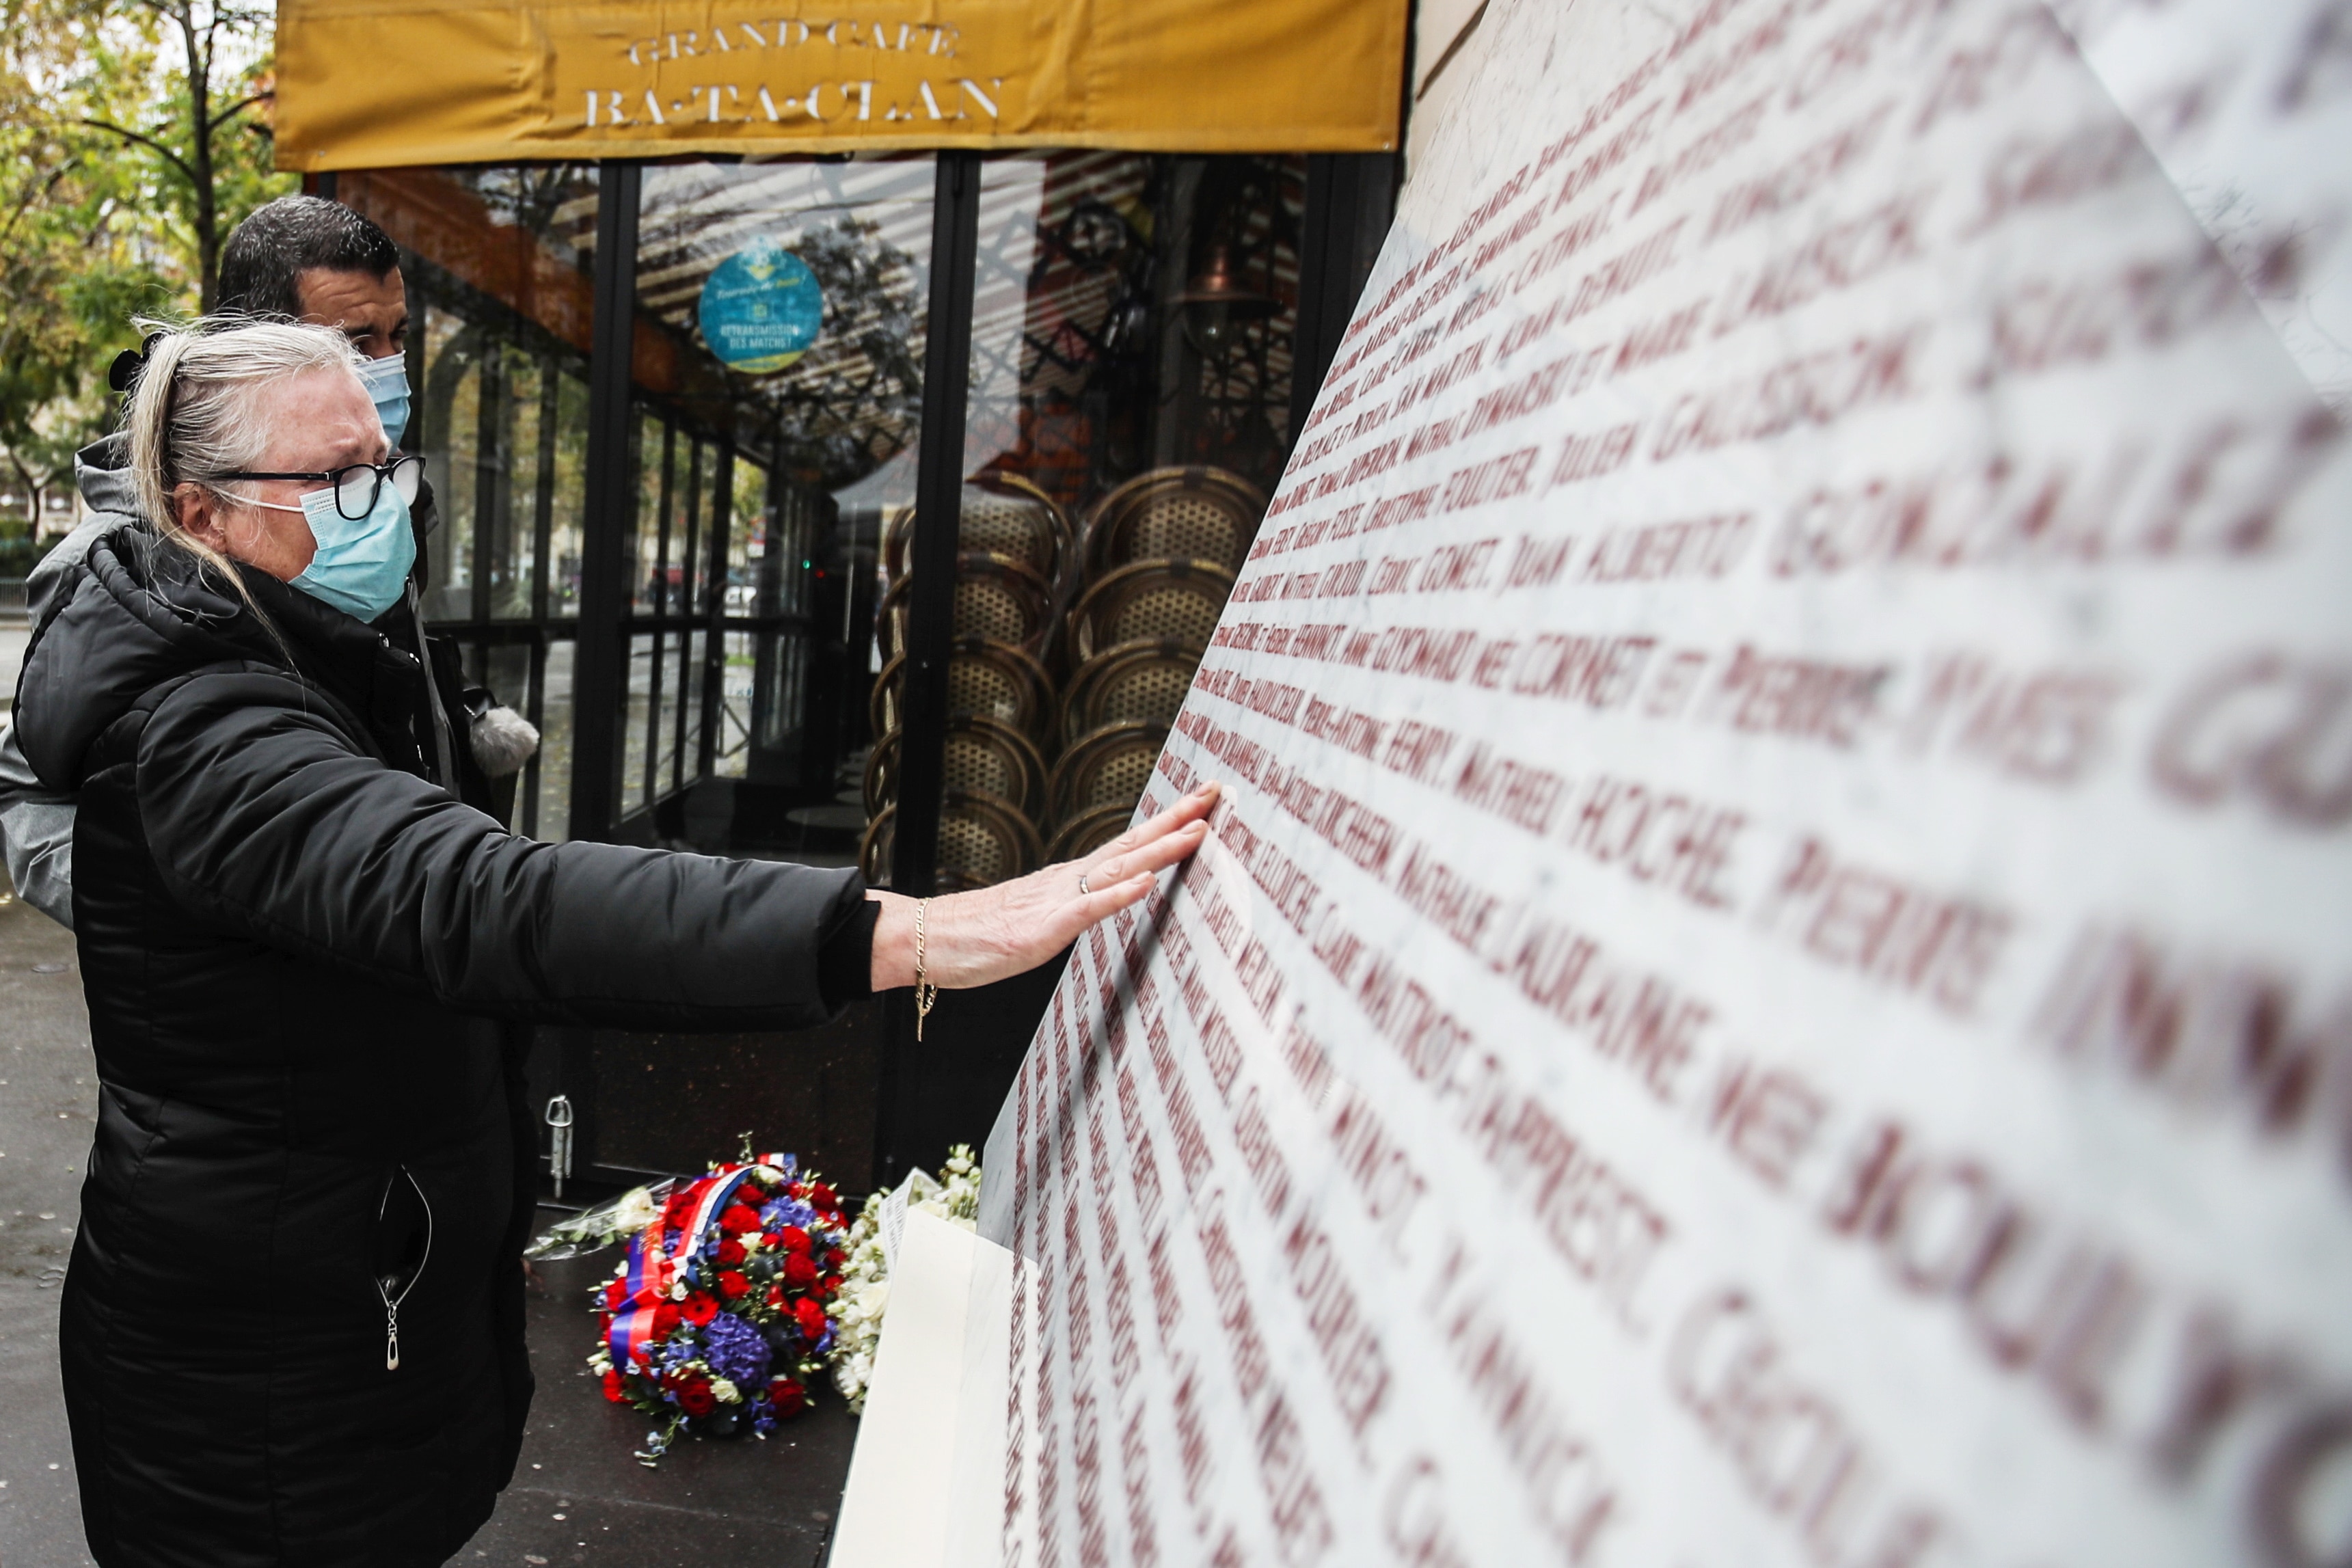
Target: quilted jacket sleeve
x=268, y=820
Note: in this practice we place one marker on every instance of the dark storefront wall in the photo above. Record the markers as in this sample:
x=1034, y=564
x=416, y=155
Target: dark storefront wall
x=773, y=614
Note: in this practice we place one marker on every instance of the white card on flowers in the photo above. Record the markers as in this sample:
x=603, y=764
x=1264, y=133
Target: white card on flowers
x=1773, y=984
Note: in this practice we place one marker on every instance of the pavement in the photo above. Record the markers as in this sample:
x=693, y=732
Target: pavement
x=49, y=1110
x=578, y=1497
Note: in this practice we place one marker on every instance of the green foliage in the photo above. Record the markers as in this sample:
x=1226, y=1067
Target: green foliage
x=20, y=550
x=135, y=134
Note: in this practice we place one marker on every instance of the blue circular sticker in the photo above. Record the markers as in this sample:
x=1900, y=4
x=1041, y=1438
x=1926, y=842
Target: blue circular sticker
x=761, y=308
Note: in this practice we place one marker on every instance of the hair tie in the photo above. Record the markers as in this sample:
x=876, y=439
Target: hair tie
x=129, y=363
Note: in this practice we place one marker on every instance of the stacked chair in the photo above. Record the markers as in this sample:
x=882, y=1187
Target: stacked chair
x=1074, y=647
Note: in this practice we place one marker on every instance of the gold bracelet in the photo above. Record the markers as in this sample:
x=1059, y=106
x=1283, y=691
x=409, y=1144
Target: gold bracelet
x=926, y=993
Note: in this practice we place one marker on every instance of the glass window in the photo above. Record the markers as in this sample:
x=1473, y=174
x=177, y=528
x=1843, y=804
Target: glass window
x=497, y=261
x=549, y=794
x=1129, y=407
x=778, y=383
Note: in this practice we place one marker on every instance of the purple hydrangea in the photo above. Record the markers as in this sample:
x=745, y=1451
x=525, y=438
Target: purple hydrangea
x=735, y=1350
x=787, y=1211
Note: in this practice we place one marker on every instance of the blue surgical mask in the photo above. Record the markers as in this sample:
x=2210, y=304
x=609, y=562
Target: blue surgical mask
x=361, y=568
x=386, y=380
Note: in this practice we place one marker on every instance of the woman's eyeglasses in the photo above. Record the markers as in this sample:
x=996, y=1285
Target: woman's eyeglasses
x=357, y=485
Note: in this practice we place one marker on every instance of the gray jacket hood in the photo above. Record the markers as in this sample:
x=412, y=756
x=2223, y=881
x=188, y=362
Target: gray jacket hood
x=102, y=475
x=128, y=613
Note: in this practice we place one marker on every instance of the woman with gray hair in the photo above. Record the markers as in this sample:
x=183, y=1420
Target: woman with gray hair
x=292, y=1328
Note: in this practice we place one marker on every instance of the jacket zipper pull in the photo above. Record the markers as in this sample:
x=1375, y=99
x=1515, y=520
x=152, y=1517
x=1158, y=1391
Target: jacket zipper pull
x=391, y=1339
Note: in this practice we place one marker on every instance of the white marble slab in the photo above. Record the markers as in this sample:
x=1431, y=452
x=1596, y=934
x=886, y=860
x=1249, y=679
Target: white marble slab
x=1774, y=983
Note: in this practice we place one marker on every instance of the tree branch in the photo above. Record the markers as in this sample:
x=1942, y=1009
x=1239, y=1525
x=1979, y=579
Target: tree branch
x=232, y=110
x=148, y=142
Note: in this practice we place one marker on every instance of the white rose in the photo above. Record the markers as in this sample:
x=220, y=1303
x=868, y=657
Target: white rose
x=723, y=1391
x=635, y=1210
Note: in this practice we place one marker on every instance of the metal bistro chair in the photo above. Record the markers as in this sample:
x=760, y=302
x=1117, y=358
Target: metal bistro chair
x=1180, y=514
x=1008, y=515
x=983, y=755
x=1133, y=681
x=995, y=596
x=987, y=678
x=1109, y=767
x=1088, y=831
x=983, y=841
x=1005, y=516
x=1147, y=600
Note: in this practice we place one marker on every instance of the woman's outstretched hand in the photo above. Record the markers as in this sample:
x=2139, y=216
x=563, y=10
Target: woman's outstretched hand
x=970, y=939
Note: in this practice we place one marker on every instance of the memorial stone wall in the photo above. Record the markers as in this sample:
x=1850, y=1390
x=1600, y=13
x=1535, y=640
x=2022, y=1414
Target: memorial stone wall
x=1773, y=981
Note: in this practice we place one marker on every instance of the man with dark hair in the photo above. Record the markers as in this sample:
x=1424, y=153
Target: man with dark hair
x=279, y=259
x=298, y=258
x=304, y=260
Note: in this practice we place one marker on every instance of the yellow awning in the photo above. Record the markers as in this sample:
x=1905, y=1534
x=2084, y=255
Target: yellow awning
x=381, y=83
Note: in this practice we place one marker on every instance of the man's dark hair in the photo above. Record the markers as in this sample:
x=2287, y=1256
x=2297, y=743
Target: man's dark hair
x=286, y=238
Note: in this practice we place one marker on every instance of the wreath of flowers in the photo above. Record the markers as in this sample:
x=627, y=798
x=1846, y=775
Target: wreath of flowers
x=717, y=1318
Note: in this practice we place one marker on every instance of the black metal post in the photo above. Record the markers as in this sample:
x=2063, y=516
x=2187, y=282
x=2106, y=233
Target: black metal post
x=716, y=554
x=1350, y=197
x=938, y=501
x=610, y=502
x=908, y=1086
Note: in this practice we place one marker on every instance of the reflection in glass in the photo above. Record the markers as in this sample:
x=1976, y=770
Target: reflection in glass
x=778, y=389
x=1128, y=406
x=552, y=792
x=450, y=422
x=496, y=261
x=636, y=723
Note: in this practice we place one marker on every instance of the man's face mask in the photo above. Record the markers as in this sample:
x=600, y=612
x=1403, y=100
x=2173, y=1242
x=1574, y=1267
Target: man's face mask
x=386, y=380
x=362, y=565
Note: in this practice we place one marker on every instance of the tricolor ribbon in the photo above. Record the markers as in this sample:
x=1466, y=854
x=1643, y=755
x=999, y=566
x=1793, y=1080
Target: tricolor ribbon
x=646, y=1283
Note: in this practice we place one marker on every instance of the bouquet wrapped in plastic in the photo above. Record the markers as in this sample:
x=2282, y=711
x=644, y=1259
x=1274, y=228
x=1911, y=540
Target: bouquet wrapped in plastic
x=716, y=1319
x=873, y=1246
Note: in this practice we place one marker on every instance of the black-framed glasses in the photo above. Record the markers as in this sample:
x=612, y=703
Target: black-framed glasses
x=357, y=485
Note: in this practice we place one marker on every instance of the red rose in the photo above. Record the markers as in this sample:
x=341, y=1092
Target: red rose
x=695, y=1398
x=731, y=1283
x=799, y=1272
x=830, y=1284
x=795, y=1238
x=809, y=1316
x=612, y=1389
x=614, y=1294
x=776, y=1297
x=701, y=1306
x=730, y=1251
x=788, y=1397
x=823, y=1197
x=737, y=1218
x=666, y=1318
x=836, y=1258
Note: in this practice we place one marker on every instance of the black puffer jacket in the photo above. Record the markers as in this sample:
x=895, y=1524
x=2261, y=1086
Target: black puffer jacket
x=295, y=947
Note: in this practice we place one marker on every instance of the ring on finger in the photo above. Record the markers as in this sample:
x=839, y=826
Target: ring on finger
x=1082, y=883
